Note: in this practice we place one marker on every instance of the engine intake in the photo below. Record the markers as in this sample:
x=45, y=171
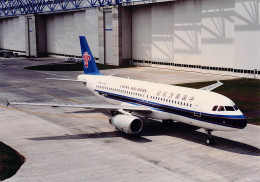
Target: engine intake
x=127, y=124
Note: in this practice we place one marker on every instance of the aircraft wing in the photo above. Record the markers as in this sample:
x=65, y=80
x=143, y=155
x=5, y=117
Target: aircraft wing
x=60, y=79
x=87, y=106
x=213, y=86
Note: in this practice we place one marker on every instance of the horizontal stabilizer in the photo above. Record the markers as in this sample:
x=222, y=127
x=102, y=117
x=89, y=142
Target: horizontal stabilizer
x=60, y=79
x=213, y=86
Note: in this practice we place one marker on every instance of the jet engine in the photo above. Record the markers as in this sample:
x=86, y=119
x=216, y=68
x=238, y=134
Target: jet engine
x=126, y=123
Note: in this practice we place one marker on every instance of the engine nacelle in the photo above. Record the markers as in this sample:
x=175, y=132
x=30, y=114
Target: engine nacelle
x=126, y=124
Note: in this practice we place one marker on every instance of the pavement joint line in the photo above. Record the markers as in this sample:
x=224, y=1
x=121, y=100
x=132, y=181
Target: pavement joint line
x=42, y=92
x=6, y=88
x=62, y=115
x=64, y=98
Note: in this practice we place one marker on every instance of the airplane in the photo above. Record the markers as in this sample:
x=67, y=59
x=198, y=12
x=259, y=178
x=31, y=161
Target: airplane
x=131, y=100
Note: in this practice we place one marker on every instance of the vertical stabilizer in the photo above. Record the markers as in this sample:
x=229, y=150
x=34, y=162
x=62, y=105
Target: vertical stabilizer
x=89, y=64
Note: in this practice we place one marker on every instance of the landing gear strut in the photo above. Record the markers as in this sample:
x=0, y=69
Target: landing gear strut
x=210, y=140
x=113, y=113
x=167, y=123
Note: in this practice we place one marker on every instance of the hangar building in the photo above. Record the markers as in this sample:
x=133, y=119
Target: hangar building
x=216, y=36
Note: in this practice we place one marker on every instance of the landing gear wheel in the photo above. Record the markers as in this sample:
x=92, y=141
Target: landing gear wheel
x=210, y=141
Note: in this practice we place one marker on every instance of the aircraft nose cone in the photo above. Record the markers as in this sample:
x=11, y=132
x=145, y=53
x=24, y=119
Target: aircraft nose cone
x=243, y=123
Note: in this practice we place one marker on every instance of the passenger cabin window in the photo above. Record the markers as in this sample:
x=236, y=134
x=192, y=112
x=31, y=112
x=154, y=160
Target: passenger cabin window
x=214, y=108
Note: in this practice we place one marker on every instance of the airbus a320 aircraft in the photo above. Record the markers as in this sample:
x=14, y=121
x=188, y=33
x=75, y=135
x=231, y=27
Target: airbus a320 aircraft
x=132, y=99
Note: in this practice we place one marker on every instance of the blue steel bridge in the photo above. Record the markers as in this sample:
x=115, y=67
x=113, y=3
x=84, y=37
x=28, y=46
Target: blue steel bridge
x=23, y=7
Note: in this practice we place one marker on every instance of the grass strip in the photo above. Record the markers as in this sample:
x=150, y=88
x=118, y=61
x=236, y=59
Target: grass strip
x=10, y=161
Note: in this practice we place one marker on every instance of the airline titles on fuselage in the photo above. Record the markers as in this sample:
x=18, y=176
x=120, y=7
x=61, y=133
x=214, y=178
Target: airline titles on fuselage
x=161, y=95
x=133, y=88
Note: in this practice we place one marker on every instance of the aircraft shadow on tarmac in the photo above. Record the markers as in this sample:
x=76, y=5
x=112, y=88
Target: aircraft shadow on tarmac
x=155, y=128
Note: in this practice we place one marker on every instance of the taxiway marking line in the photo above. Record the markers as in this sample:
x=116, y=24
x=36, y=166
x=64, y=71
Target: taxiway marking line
x=62, y=115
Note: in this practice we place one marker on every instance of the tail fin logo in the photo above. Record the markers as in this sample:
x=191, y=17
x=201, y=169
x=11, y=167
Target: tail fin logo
x=86, y=58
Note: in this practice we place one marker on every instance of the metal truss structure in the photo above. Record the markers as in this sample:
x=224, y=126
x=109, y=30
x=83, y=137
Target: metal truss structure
x=22, y=7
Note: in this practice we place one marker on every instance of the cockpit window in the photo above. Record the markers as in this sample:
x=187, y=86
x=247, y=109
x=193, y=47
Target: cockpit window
x=225, y=108
x=221, y=108
x=214, y=108
x=229, y=108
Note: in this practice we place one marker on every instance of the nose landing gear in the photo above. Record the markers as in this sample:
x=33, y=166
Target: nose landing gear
x=210, y=140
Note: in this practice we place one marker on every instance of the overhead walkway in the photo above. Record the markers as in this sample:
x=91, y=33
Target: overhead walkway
x=23, y=7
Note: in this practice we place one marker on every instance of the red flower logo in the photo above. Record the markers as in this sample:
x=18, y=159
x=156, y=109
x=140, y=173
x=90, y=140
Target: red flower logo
x=86, y=58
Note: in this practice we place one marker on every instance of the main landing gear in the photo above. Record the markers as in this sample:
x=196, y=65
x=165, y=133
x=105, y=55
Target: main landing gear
x=210, y=140
x=113, y=113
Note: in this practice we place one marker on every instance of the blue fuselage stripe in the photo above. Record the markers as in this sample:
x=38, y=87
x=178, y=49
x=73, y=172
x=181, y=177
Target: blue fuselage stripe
x=230, y=120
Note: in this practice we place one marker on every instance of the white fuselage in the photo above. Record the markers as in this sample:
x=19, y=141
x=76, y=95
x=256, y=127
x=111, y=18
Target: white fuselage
x=191, y=106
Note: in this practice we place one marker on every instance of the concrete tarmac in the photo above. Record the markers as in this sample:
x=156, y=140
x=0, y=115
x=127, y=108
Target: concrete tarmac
x=70, y=144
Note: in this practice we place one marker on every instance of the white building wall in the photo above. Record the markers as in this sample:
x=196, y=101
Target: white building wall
x=1, y=33
x=162, y=33
x=218, y=33
x=141, y=33
x=247, y=34
x=63, y=31
x=168, y=32
x=212, y=33
x=187, y=32
x=12, y=33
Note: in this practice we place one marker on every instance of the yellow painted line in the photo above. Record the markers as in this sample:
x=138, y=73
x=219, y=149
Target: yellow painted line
x=49, y=114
